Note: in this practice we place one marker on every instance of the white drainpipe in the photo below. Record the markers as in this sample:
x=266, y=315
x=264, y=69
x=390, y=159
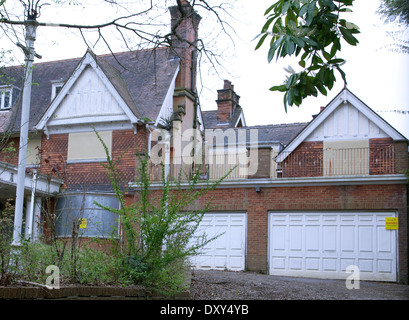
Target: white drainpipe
x=30, y=211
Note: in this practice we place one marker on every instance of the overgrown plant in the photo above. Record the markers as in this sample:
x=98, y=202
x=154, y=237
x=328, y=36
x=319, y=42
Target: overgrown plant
x=159, y=227
x=6, y=231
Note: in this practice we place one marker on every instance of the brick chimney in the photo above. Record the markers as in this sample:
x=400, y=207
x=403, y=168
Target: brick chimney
x=183, y=40
x=227, y=101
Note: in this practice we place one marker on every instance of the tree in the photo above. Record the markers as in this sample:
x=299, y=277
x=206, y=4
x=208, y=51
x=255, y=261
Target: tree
x=136, y=25
x=397, y=12
x=314, y=29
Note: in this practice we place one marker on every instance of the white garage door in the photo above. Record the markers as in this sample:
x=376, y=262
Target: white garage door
x=229, y=249
x=323, y=244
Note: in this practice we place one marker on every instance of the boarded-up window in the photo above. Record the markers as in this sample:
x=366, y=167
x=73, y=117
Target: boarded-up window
x=33, y=156
x=346, y=157
x=220, y=161
x=86, y=146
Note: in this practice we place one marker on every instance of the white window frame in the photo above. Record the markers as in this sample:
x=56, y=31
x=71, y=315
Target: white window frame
x=55, y=85
x=3, y=91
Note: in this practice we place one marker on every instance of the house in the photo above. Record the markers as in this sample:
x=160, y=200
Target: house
x=122, y=96
x=302, y=199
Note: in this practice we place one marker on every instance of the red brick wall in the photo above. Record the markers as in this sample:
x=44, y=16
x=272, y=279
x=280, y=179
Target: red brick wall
x=124, y=146
x=381, y=156
x=304, y=161
x=321, y=198
x=7, y=154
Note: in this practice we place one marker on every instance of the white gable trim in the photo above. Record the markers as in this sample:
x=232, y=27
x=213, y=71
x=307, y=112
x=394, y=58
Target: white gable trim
x=88, y=60
x=166, y=109
x=343, y=97
x=241, y=117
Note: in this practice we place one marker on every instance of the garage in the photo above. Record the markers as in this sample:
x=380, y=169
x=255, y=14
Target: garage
x=228, y=251
x=324, y=244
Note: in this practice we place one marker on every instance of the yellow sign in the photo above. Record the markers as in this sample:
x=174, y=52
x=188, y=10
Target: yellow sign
x=391, y=223
x=83, y=223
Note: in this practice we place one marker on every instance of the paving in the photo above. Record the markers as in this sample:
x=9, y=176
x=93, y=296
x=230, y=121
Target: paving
x=227, y=285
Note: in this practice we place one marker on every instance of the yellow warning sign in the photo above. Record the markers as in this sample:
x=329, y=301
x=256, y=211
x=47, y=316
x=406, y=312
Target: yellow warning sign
x=391, y=223
x=83, y=223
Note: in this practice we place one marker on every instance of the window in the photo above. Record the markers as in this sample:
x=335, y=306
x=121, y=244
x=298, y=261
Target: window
x=56, y=88
x=85, y=146
x=5, y=98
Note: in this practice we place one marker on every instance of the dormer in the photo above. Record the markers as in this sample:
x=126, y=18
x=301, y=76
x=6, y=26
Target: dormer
x=8, y=96
x=56, y=86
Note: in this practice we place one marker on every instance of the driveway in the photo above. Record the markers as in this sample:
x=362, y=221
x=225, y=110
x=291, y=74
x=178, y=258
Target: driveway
x=225, y=285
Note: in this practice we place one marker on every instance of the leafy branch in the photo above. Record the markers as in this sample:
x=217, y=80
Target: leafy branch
x=314, y=29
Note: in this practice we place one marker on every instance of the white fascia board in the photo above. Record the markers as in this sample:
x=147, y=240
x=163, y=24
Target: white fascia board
x=296, y=182
x=59, y=97
x=242, y=120
x=167, y=103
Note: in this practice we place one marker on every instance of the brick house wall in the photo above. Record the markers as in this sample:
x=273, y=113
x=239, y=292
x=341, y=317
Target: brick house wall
x=125, y=144
x=305, y=161
x=381, y=156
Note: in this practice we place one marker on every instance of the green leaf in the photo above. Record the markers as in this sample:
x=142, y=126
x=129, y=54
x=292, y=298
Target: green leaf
x=303, y=10
x=302, y=63
x=326, y=55
x=348, y=37
x=310, y=13
x=298, y=41
x=290, y=46
x=342, y=74
x=282, y=88
x=336, y=61
x=267, y=24
x=260, y=42
x=270, y=8
x=273, y=48
x=312, y=43
x=285, y=7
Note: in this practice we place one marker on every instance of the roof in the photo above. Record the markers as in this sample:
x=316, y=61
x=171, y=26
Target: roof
x=266, y=135
x=142, y=78
x=210, y=118
x=278, y=133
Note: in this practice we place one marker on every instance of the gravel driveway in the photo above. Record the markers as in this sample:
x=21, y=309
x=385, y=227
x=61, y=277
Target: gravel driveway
x=225, y=285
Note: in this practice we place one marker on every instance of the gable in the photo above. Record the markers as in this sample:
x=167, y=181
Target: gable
x=345, y=118
x=88, y=97
x=346, y=122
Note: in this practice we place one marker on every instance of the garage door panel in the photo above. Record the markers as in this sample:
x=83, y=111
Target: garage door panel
x=295, y=238
x=384, y=240
x=227, y=251
x=312, y=264
x=329, y=238
x=324, y=244
x=312, y=240
x=347, y=238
